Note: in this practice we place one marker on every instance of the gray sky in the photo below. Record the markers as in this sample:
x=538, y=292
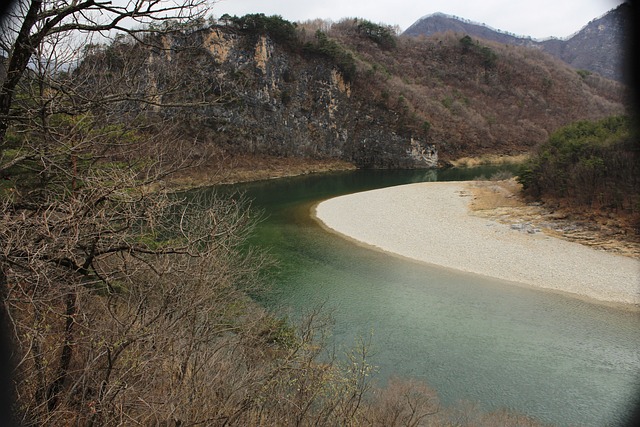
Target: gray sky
x=538, y=19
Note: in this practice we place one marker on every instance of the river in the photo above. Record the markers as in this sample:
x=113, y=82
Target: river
x=558, y=359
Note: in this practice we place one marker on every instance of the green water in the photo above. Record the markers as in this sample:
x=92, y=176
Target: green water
x=558, y=359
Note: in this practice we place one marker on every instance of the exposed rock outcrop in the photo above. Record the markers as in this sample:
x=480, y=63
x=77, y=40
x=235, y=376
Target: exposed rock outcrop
x=281, y=103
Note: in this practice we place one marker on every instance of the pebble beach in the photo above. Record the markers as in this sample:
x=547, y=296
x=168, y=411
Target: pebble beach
x=431, y=222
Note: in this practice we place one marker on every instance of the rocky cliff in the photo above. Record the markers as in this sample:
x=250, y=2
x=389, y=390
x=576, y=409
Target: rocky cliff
x=254, y=95
x=375, y=102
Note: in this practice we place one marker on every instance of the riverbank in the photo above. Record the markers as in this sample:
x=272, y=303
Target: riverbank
x=613, y=232
x=246, y=168
x=434, y=223
x=489, y=159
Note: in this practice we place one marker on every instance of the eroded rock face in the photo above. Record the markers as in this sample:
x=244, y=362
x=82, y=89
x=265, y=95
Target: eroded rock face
x=271, y=100
x=424, y=154
x=296, y=106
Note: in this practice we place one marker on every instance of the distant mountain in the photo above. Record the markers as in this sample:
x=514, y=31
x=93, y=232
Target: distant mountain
x=441, y=23
x=598, y=47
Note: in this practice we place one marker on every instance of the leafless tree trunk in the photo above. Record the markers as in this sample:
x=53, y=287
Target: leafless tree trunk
x=30, y=23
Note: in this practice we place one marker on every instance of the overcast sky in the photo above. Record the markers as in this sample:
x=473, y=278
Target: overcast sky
x=538, y=19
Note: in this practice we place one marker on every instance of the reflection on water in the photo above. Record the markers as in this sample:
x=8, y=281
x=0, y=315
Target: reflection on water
x=559, y=359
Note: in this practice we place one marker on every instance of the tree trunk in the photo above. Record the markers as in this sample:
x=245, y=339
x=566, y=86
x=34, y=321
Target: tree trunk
x=67, y=351
x=18, y=61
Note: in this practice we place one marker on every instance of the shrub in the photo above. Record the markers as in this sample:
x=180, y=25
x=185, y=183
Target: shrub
x=381, y=35
x=586, y=163
x=330, y=48
x=467, y=43
x=485, y=53
x=277, y=28
x=584, y=73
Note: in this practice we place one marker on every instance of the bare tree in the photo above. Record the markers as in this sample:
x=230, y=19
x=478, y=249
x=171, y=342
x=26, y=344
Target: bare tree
x=41, y=41
x=403, y=403
x=82, y=232
x=117, y=292
x=125, y=303
x=31, y=23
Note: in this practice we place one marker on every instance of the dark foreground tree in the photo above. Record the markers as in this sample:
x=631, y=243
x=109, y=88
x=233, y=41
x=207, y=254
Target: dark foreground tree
x=35, y=29
x=118, y=298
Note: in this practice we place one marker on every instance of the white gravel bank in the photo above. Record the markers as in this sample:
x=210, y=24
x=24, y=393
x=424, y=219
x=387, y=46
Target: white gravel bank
x=431, y=222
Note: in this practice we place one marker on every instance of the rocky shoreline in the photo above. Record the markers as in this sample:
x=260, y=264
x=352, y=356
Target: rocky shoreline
x=502, y=201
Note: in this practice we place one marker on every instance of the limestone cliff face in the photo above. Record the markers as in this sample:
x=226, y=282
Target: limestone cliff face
x=346, y=96
x=277, y=102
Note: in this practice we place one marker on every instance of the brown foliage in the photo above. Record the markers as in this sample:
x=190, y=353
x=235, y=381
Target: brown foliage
x=403, y=403
x=479, y=97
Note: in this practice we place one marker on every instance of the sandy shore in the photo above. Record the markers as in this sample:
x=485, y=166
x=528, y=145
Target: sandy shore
x=431, y=222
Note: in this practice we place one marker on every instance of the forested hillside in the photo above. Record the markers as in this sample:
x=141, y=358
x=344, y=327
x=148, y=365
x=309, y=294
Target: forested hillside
x=351, y=91
x=472, y=96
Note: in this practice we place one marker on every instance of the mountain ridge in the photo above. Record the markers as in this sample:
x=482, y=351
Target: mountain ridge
x=479, y=24
x=597, y=47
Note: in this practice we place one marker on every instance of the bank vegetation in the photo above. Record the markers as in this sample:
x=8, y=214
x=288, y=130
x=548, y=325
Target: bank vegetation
x=592, y=170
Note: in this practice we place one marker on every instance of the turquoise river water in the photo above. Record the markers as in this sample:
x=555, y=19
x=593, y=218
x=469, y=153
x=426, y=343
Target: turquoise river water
x=558, y=359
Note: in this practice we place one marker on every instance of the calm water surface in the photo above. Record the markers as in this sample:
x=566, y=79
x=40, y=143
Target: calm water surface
x=561, y=360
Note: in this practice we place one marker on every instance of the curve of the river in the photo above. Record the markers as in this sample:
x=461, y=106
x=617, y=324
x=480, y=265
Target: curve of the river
x=559, y=359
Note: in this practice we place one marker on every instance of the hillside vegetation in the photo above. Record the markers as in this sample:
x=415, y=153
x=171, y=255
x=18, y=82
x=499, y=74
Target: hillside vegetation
x=589, y=167
x=475, y=97
x=352, y=91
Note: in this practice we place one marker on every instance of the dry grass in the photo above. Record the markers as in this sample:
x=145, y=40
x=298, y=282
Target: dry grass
x=503, y=202
x=491, y=195
x=490, y=159
x=244, y=168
